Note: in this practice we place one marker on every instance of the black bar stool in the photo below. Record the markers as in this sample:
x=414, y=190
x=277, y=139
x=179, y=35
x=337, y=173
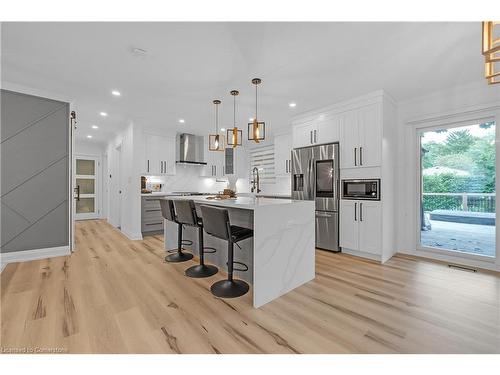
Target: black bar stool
x=168, y=213
x=186, y=214
x=216, y=223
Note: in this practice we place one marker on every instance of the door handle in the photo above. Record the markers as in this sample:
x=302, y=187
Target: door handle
x=77, y=190
x=355, y=156
x=361, y=212
x=323, y=215
x=361, y=156
x=355, y=211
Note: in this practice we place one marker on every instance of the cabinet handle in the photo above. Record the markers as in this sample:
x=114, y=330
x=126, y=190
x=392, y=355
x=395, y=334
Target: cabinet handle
x=311, y=134
x=361, y=212
x=355, y=211
x=361, y=156
x=165, y=166
x=286, y=166
x=148, y=165
x=355, y=156
x=315, y=138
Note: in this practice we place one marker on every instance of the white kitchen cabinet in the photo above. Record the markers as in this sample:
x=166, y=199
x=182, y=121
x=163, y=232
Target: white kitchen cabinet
x=303, y=134
x=160, y=155
x=361, y=137
x=215, y=163
x=370, y=227
x=370, y=136
x=328, y=129
x=348, y=225
x=349, y=135
x=361, y=226
x=318, y=130
x=282, y=154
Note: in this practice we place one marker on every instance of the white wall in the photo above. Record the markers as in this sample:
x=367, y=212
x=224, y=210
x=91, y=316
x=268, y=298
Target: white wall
x=124, y=169
x=448, y=104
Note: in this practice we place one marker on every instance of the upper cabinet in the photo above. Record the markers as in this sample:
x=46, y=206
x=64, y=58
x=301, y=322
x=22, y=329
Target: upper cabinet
x=316, y=130
x=361, y=137
x=160, y=155
x=282, y=154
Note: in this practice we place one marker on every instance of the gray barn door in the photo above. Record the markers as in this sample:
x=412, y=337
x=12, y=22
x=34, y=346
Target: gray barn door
x=35, y=183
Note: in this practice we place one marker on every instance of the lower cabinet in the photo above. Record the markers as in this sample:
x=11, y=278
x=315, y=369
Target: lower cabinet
x=151, y=218
x=361, y=226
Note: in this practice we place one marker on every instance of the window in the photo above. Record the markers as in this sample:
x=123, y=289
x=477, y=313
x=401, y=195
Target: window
x=263, y=159
x=457, y=210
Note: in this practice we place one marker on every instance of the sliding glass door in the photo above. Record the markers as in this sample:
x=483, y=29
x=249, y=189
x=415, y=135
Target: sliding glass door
x=457, y=191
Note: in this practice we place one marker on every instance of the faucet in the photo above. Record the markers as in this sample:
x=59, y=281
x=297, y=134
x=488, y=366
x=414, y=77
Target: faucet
x=256, y=180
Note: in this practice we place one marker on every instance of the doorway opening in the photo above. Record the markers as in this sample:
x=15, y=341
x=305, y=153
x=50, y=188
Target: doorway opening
x=457, y=189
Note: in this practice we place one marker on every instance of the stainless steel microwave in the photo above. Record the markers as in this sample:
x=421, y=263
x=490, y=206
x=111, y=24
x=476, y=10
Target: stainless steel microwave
x=368, y=189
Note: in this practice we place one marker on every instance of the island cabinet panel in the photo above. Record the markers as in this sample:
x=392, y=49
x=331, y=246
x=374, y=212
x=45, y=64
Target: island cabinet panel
x=361, y=226
x=281, y=253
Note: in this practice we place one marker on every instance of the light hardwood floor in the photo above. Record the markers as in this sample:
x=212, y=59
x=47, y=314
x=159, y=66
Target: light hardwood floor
x=114, y=295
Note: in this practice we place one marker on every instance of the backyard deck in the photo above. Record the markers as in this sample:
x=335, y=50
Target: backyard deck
x=466, y=238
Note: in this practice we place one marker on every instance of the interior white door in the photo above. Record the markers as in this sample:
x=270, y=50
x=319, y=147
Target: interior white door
x=86, y=187
x=370, y=227
x=370, y=134
x=349, y=140
x=348, y=224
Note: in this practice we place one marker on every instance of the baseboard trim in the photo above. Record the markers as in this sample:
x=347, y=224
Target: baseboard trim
x=35, y=254
x=132, y=236
x=362, y=254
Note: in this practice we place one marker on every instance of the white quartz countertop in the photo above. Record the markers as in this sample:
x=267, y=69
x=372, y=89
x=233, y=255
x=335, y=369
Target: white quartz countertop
x=247, y=203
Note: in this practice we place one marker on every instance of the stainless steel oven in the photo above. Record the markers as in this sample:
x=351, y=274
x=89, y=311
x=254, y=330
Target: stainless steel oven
x=367, y=189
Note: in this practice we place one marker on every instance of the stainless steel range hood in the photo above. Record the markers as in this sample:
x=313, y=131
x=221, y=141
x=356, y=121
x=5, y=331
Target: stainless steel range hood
x=191, y=150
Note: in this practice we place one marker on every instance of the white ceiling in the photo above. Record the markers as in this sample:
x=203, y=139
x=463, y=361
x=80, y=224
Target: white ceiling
x=190, y=64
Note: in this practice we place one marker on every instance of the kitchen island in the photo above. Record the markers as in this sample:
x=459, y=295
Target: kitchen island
x=281, y=254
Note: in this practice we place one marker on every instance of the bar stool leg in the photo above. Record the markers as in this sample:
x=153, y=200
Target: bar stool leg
x=229, y=288
x=179, y=256
x=201, y=270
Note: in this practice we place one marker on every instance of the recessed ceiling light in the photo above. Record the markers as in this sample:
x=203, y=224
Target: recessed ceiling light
x=89, y=136
x=103, y=114
x=250, y=119
x=95, y=127
x=182, y=121
x=292, y=105
x=116, y=93
x=222, y=129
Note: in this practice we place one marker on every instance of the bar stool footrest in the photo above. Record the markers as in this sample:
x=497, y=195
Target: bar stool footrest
x=245, y=269
x=213, y=250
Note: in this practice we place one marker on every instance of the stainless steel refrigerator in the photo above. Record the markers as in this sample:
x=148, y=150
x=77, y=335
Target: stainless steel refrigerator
x=316, y=177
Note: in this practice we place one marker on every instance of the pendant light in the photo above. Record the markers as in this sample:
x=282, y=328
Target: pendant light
x=491, y=51
x=256, y=129
x=216, y=140
x=234, y=135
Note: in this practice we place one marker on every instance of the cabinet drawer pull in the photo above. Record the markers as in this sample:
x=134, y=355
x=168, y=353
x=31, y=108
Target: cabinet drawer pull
x=153, y=223
x=155, y=210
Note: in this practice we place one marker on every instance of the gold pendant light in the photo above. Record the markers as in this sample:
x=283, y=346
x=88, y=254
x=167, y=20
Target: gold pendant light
x=216, y=140
x=234, y=135
x=491, y=51
x=256, y=129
